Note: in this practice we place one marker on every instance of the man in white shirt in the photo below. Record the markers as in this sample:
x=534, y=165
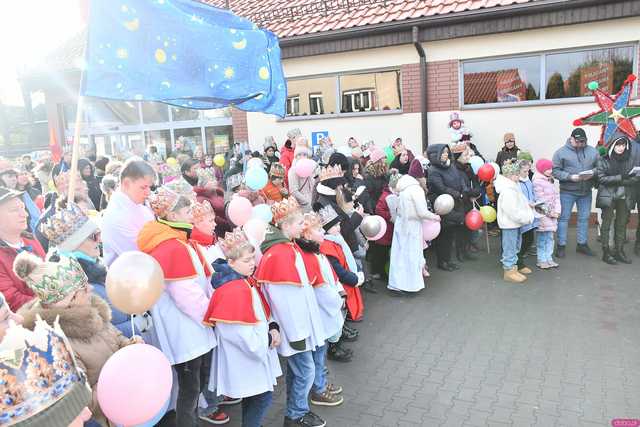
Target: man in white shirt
x=127, y=213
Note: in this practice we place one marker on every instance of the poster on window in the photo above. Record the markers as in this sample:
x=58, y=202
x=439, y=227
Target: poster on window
x=510, y=87
x=601, y=73
x=221, y=143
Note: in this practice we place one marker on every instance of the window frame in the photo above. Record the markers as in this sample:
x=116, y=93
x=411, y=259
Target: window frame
x=292, y=99
x=319, y=99
x=338, y=114
x=542, y=58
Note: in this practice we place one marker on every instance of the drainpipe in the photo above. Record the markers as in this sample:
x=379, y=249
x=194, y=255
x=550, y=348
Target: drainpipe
x=423, y=88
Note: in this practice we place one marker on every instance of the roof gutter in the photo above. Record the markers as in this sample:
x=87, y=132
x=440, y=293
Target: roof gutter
x=436, y=20
x=415, y=32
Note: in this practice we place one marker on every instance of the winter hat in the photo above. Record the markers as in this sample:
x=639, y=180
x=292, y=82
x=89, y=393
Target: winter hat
x=50, y=281
x=544, y=165
x=510, y=168
x=377, y=155
x=525, y=156
x=68, y=227
x=416, y=170
x=40, y=382
x=508, y=136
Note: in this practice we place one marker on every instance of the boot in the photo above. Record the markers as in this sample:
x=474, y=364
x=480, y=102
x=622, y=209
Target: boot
x=339, y=354
x=514, y=276
x=369, y=287
x=621, y=256
x=607, y=257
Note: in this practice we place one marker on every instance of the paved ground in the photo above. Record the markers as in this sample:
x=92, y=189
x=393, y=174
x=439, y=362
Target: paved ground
x=562, y=350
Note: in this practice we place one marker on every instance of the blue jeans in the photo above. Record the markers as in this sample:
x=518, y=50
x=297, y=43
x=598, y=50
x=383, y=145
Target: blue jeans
x=300, y=375
x=212, y=403
x=567, y=200
x=544, y=243
x=511, y=241
x=254, y=408
x=319, y=360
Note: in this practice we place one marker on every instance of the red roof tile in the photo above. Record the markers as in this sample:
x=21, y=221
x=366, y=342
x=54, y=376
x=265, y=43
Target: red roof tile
x=275, y=15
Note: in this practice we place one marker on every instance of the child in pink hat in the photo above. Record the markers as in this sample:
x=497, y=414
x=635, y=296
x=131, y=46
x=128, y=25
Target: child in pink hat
x=545, y=190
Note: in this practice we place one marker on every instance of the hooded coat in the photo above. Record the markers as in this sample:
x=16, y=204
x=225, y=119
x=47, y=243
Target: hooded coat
x=546, y=191
x=92, y=337
x=95, y=194
x=447, y=179
x=506, y=154
x=614, y=181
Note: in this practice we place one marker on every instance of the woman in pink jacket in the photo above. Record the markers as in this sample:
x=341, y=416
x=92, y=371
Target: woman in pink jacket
x=545, y=190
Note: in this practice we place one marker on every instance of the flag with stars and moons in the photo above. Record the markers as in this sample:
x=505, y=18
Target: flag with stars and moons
x=183, y=53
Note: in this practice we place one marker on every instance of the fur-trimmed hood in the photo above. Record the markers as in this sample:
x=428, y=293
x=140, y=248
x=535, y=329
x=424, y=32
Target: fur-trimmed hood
x=77, y=322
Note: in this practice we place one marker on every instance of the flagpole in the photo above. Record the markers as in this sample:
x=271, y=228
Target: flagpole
x=75, y=153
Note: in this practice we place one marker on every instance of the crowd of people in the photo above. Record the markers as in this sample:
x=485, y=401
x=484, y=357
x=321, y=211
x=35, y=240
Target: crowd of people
x=236, y=299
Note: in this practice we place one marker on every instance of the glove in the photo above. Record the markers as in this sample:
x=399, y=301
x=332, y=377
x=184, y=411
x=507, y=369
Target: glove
x=360, y=275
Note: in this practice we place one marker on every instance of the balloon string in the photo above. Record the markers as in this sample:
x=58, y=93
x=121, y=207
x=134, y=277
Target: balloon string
x=133, y=328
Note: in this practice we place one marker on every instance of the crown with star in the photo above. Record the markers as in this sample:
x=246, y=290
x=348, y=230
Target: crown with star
x=285, y=208
x=40, y=382
x=234, y=243
x=329, y=172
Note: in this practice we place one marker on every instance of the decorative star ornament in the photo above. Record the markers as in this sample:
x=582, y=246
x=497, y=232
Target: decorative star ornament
x=615, y=113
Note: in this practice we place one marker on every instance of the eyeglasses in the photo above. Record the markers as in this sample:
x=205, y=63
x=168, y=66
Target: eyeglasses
x=95, y=237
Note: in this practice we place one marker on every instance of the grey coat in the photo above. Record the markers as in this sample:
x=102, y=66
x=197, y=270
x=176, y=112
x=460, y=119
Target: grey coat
x=569, y=161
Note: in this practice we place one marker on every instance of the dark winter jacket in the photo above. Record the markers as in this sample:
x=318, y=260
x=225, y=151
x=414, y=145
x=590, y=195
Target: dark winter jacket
x=223, y=273
x=614, y=181
x=348, y=223
x=447, y=179
x=95, y=194
x=471, y=183
x=506, y=154
x=568, y=161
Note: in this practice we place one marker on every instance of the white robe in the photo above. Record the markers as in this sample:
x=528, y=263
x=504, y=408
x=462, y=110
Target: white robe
x=296, y=310
x=329, y=299
x=407, y=259
x=245, y=365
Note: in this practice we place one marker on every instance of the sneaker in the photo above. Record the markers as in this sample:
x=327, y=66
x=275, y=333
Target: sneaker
x=553, y=264
x=228, y=401
x=543, y=265
x=326, y=399
x=218, y=417
x=560, y=251
x=525, y=270
x=584, y=249
x=333, y=389
x=307, y=420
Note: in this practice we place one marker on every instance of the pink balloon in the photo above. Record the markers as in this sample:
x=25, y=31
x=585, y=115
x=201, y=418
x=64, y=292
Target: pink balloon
x=239, y=210
x=383, y=228
x=134, y=384
x=430, y=230
x=255, y=229
x=305, y=167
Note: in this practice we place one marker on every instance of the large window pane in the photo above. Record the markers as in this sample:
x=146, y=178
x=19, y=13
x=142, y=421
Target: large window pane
x=501, y=80
x=370, y=92
x=569, y=73
x=216, y=114
x=180, y=114
x=160, y=139
x=219, y=139
x=38, y=106
x=108, y=113
x=154, y=112
x=302, y=93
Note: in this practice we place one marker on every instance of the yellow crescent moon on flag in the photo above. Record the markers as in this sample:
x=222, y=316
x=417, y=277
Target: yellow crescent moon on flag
x=132, y=25
x=240, y=45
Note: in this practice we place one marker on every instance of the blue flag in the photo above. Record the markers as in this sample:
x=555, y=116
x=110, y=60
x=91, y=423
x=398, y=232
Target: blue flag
x=184, y=53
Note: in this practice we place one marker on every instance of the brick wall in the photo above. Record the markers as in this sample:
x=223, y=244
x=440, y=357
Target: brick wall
x=239, y=122
x=442, y=86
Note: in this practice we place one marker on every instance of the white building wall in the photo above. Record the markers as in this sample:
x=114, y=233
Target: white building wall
x=540, y=129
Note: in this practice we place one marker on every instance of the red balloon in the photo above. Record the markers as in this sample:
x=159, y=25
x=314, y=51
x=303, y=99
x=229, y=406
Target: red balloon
x=473, y=220
x=486, y=172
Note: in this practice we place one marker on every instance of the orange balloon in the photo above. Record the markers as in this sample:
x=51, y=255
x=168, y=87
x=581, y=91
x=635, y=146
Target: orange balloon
x=134, y=282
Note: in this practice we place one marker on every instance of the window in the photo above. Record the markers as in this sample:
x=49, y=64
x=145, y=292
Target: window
x=161, y=139
x=293, y=106
x=38, y=106
x=180, y=114
x=107, y=113
x=219, y=139
x=370, y=92
x=315, y=103
x=189, y=139
x=568, y=74
x=155, y=112
x=502, y=80
x=545, y=76
x=216, y=114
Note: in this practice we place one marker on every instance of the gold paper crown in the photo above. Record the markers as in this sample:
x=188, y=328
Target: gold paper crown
x=163, y=201
x=458, y=148
x=283, y=209
x=329, y=172
x=312, y=220
x=63, y=223
x=201, y=209
x=234, y=243
x=182, y=188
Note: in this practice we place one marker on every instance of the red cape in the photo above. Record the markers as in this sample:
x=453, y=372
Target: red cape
x=278, y=265
x=233, y=303
x=312, y=265
x=355, y=303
